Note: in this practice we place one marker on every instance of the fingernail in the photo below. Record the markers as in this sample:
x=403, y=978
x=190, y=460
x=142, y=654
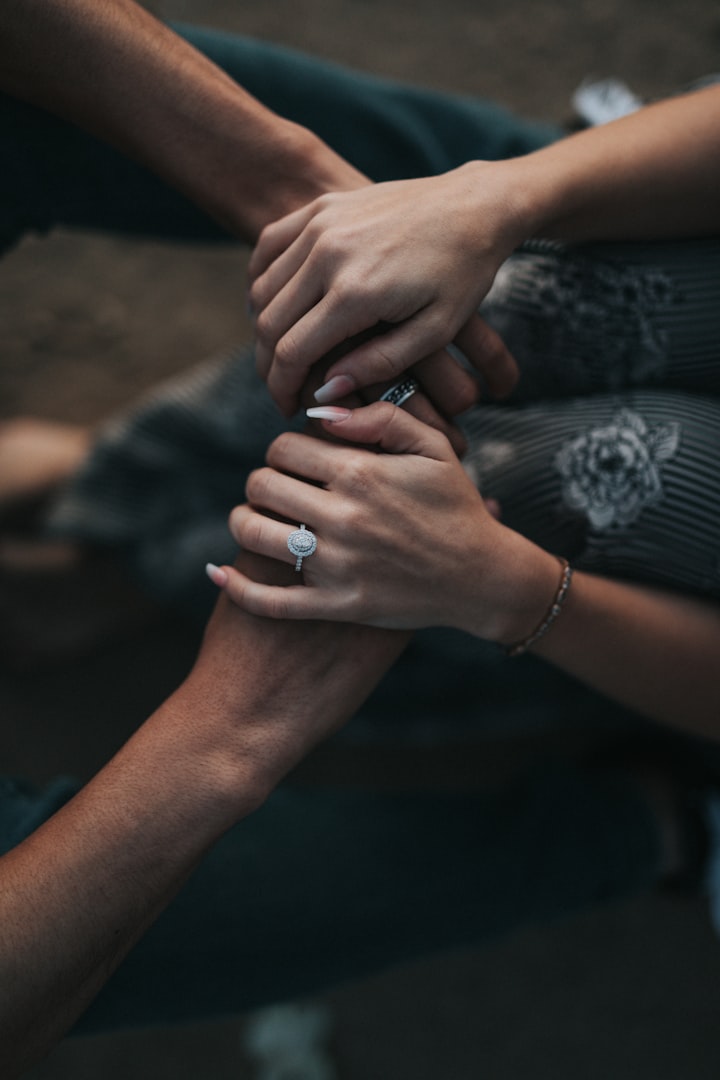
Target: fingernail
x=337, y=387
x=334, y=413
x=217, y=576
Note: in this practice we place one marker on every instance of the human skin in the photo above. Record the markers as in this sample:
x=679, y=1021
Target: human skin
x=422, y=254
x=79, y=892
x=406, y=541
x=113, y=69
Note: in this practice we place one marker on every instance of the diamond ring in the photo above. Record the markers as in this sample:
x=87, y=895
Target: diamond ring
x=301, y=543
x=401, y=391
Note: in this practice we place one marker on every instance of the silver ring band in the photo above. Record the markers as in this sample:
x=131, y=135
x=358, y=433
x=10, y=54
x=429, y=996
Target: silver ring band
x=301, y=543
x=401, y=391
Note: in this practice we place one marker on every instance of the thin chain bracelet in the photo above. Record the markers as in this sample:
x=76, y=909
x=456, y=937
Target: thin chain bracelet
x=552, y=613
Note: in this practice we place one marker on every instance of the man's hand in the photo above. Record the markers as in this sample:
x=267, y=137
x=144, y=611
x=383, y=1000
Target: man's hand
x=79, y=892
x=283, y=686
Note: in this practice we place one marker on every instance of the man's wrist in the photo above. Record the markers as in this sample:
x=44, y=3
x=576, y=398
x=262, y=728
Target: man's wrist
x=207, y=753
x=289, y=167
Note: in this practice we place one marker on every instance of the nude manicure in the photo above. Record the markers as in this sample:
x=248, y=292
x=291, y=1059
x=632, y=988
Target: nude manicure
x=337, y=387
x=217, y=576
x=333, y=413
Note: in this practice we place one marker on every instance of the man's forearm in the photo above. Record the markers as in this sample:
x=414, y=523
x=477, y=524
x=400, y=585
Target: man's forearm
x=113, y=69
x=81, y=890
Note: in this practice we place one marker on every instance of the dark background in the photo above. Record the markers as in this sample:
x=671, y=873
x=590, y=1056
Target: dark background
x=632, y=992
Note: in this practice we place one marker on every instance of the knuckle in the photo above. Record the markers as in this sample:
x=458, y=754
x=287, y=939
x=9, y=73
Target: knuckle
x=264, y=327
x=343, y=292
x=256, y=296
x=327, y=242
x=355, y=474
x=384, y=412
x=434, y=330
x=235, y=590
x=351, y=292
x=280, y=447
x=277, y=605
x=253, y=532
x=235, y=522
x=258, y=485
x=359, y=601
x=267, y=233
x=349, y=528
x=491, y=343
x=326, y=201
x=392, y=415
x=387, y=365
x=287, y=352
x=465, y=395
x=394, y=418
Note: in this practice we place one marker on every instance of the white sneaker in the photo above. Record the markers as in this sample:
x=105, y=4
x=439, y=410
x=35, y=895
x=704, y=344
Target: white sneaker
x=597, y=101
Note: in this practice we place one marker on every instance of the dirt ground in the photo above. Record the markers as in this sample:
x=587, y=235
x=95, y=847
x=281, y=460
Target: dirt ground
x=90, y=321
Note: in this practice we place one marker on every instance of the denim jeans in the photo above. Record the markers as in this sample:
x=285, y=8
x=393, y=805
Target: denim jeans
x=322, y=886
x=54, y=174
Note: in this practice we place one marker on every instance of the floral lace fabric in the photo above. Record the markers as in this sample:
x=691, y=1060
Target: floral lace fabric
x=577, y=324
x=611, y=472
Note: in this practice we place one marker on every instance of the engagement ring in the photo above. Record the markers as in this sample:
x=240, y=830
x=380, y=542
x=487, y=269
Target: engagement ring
x=301, y=543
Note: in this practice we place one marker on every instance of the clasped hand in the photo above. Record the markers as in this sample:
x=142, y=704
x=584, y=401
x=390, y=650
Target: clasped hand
x=404, y=539
x=411, y=258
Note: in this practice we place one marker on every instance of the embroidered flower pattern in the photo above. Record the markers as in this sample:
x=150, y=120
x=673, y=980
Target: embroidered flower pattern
x=584, y=323
x=612, y=473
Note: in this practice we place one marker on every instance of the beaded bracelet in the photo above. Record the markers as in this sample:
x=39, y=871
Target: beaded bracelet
x=552, y=613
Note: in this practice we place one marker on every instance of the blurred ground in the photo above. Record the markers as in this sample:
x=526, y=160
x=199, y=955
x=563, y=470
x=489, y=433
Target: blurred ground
x=632, y=993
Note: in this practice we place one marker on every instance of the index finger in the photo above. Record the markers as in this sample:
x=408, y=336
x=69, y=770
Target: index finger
x=391, y=430
x=278, y=236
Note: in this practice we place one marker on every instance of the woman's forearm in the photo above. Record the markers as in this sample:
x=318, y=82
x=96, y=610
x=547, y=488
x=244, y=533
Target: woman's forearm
x=653, y=650
x=651, y=175
x=113, y=69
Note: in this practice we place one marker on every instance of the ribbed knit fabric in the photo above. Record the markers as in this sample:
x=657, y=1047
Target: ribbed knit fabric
x=609, y=453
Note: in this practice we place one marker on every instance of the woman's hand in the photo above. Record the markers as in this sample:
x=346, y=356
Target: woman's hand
x=413, y=258
x=404, y=538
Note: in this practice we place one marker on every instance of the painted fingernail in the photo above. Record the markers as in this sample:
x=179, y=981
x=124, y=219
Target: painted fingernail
x=337, y=387
x=217, y=576
x=334, y=413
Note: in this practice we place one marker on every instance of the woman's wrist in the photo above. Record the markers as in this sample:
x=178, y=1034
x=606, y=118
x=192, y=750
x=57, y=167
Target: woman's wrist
x=546, y=191
x=534, y=195
x=511, y=602
x=504, y=207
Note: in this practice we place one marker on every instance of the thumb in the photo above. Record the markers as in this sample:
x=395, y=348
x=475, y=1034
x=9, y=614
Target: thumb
x=387, y=427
